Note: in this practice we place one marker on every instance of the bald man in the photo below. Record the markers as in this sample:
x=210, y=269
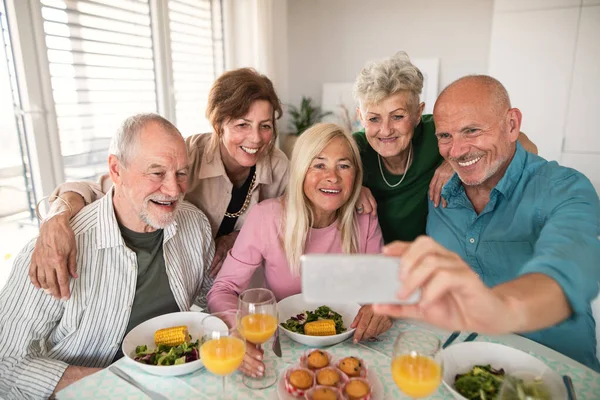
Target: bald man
x=516, y=250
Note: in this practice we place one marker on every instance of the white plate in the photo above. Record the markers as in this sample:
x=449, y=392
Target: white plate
x=376, y=387
x=293, y=305
x=461, y=357
x=144, y=334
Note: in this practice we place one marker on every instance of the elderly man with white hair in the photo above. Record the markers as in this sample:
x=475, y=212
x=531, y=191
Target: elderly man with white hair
x=141, y=252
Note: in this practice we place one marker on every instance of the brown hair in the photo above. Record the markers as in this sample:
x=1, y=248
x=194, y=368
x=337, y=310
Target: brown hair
x=231, y=96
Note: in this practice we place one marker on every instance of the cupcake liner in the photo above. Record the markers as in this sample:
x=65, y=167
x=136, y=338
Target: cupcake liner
x=309, y=393
x=304, y=358
x=291, y=389
x=343, y=377
x=369, y=395
x=363, y=371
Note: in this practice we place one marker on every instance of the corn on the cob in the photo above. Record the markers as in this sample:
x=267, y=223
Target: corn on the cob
x=323, y=327
x=173, y=336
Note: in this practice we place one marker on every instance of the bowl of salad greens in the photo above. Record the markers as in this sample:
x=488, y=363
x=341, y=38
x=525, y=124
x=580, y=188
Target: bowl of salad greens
x=139, y=347
x=491, y=371
x=294, y=313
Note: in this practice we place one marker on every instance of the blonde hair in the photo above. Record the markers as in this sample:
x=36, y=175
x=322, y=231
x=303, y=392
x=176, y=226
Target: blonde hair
x=380, y=79
x=297, y=212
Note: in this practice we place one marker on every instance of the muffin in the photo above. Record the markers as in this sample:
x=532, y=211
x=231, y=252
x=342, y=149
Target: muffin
x=317, y=359
x=353, y=367
x=357, y=389
x=328, y=377
x=323, y=393
x=301, y=379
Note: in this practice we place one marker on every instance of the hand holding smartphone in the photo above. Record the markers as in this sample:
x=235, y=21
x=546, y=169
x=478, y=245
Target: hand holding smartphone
x=352, y=278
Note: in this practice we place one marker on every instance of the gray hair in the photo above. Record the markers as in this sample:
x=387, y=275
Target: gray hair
x=124, y=141
x=383, y=78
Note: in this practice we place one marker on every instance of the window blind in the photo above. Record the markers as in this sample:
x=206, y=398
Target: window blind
x=196, y=33
x=100, y=55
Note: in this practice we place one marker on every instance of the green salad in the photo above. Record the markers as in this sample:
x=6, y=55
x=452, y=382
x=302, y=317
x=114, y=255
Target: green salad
x=482, y=382
x=168, y=355
x=296, y=323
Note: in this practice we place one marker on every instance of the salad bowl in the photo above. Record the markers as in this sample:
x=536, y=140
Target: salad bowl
x=460, y=358
x=143, y=334
x=295, y=305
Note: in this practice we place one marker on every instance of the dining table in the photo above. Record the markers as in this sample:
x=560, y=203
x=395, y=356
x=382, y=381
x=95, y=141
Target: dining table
x=375, y=353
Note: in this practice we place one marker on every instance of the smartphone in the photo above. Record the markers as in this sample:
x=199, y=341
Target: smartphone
x=352, y=278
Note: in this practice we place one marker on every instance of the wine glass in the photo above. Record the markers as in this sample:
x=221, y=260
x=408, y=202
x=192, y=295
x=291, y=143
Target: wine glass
x=257, y=322
x=417, y=363
x=223, y=348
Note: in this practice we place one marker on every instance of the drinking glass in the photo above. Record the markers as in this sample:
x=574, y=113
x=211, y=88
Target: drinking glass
x=257, y=322
x=223, y=348
x=417, y=363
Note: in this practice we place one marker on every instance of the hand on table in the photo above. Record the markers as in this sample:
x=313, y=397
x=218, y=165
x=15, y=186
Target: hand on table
x=368, y=324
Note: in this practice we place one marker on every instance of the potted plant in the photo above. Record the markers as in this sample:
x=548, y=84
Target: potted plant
x=302, y=118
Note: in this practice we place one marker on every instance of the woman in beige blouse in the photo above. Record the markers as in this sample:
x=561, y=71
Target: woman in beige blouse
x=231, y=169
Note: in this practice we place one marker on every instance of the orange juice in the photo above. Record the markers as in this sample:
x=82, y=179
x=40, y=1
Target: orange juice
x=258, y=328
x=224, y=355
x=416, y=375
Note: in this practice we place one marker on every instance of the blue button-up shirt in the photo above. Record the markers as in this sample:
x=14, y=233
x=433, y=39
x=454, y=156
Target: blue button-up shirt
x=541, y=218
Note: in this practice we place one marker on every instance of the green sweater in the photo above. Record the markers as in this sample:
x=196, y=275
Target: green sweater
x=402, y=210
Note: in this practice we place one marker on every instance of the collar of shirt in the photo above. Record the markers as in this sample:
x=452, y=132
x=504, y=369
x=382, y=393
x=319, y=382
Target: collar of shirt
x=454, y=188
x=109, y=234
x=212, y=166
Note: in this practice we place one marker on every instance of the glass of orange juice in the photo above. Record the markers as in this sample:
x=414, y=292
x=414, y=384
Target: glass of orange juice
x=417, y=363
x=257, y=322
x=223, y=349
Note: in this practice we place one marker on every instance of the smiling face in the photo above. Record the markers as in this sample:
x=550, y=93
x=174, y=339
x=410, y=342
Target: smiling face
x=329, y=181
x=149, y=189
x=476, y=132
x=390, y=124
x=245, y=139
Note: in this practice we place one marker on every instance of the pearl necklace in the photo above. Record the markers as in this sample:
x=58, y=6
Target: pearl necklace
x=405, y=170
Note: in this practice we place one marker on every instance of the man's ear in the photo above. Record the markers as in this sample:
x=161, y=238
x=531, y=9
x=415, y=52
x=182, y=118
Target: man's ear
x=115, y=169
x=514, y=124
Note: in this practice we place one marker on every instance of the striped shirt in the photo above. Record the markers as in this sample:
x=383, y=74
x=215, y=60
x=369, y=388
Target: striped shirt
x=41, y=336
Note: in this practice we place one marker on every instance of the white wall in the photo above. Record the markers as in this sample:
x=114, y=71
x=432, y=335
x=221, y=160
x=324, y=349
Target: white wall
x=331, y=40
x=546, y=53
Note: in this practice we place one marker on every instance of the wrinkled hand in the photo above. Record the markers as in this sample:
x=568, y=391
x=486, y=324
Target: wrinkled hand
x=54, y=257
x=368, y=324
x=366, y=203
x=452, y=295
x=222, y=246
x=441, y=176
x=252, y=364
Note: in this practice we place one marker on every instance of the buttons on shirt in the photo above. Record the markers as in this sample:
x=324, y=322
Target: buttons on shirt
x=471, y=240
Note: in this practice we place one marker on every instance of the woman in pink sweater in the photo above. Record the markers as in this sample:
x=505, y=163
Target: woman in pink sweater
x=317, y=215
